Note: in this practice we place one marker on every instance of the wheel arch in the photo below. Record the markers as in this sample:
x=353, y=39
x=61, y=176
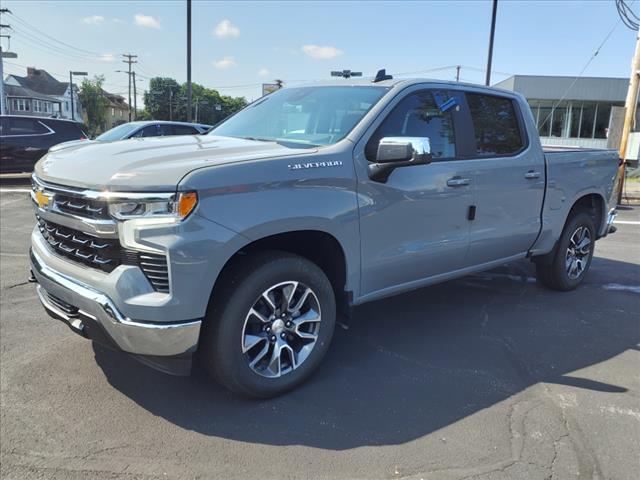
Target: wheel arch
x=317, y=246
x=594, y=204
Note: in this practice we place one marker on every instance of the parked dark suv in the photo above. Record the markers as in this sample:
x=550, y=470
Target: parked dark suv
x=23, y=140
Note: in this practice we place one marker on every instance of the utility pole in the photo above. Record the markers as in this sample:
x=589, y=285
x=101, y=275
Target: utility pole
x=170, y=104
x=188, y=60
x=491, y=35
x=457, y=73
x=129, y=60
x=631, y=107
x=631, y=104
x=135, y=97
x=4, y=55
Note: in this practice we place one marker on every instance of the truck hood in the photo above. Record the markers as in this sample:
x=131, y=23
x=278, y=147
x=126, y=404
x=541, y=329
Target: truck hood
x=150, y=164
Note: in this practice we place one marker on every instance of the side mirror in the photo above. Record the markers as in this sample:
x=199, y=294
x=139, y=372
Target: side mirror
x=396, y=152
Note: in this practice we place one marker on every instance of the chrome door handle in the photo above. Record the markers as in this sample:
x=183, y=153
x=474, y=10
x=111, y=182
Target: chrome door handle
x=531, y=175
x=457, y=182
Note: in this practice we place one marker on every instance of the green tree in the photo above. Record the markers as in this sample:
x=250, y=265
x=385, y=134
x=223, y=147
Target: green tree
x=166, y=99
x=161, y=98
x=94, y=104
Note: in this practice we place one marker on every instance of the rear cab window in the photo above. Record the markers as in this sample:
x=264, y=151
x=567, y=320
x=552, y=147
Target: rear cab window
x=496, y=125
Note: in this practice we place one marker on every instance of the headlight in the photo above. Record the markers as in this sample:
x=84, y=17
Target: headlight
x=177, y=206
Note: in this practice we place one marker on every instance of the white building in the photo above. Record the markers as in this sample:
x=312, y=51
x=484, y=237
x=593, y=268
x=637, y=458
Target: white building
x=569, y=111
x=39, y=94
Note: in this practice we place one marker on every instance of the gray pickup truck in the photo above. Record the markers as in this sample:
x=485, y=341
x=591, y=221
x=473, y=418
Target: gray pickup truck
x=239, y=248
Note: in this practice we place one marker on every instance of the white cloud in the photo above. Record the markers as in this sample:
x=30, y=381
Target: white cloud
x=321, y=52
x=146, y=21
x=108, y=57
x=226, y=29
x=116, y=20
x=263, y=72
x=225, y=63
x=93, y=19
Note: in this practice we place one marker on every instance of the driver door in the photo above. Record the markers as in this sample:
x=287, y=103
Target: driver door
x=415, y=226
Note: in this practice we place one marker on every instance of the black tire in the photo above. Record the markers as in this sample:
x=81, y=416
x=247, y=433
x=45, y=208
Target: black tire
x=555, y=275
x=221, y=342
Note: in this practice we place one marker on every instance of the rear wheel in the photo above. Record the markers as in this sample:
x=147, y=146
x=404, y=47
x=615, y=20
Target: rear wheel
x=270, y=325
x=573, y=255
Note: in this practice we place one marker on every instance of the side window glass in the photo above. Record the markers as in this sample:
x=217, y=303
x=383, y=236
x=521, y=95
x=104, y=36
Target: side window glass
x=184, y=130
x=417, y=115
x=496, y=125
x=148, y=131
x=25, y=126
x=165, y=129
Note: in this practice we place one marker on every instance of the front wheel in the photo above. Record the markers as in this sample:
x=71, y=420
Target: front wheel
x=270, y=324
x=573, y=256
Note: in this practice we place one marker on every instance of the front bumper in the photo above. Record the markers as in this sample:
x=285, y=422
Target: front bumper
x=93, y=314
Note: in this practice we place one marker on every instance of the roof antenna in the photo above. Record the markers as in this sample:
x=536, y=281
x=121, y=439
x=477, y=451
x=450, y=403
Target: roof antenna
x=382, y=75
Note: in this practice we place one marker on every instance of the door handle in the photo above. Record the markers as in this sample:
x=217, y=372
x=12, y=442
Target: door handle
x=530, y=175
x=457, y=182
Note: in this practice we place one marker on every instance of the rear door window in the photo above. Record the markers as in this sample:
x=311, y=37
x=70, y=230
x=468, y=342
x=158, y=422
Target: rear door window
x=184, y=130
x=148, y=131
x=23, y=126
x=496, y=125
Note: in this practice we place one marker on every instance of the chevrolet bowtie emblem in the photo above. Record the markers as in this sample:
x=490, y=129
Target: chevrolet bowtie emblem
x=42, y=199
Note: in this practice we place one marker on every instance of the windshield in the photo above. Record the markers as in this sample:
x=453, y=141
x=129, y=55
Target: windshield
x=118, y=133
x=313, y=116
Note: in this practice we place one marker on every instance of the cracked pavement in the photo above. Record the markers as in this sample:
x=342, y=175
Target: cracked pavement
x=488, y=377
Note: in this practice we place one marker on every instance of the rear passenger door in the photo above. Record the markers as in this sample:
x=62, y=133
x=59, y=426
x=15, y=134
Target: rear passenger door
x=509, y=180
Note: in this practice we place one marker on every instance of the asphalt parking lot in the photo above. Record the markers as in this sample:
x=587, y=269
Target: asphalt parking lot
x=486, y=377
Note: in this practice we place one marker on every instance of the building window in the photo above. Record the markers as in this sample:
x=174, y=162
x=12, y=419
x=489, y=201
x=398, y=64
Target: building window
x=21, y=105
x=66, y=106
x=559, y=120
x=576, y=119
x=588, y=119
x=602, y=120
x=544, y=117
x=113, y=112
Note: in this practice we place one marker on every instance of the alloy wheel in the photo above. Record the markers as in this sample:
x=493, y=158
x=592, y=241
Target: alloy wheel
x=578, y=252
x=281, y=329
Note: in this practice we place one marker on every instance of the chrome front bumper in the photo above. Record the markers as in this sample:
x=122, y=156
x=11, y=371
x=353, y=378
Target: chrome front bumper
x=79, y=305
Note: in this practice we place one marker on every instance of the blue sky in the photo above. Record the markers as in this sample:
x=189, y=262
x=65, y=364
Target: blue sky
x=238, y=45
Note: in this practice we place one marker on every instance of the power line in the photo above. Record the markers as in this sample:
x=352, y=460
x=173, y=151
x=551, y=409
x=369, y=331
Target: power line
x=30, y=26
x=595, y=54
x=630, y=19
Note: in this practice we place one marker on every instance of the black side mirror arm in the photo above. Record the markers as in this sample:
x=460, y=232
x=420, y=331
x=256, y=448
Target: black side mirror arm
x=379, y=172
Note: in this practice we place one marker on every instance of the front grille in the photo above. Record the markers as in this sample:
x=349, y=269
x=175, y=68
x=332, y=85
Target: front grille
x=104, y=254
x=101, y=253
x=85, y=207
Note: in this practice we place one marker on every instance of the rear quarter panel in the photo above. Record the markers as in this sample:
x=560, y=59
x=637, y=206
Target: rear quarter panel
x=570, y=176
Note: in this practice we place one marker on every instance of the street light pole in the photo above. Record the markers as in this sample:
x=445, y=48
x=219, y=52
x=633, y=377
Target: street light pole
x=491, y=35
